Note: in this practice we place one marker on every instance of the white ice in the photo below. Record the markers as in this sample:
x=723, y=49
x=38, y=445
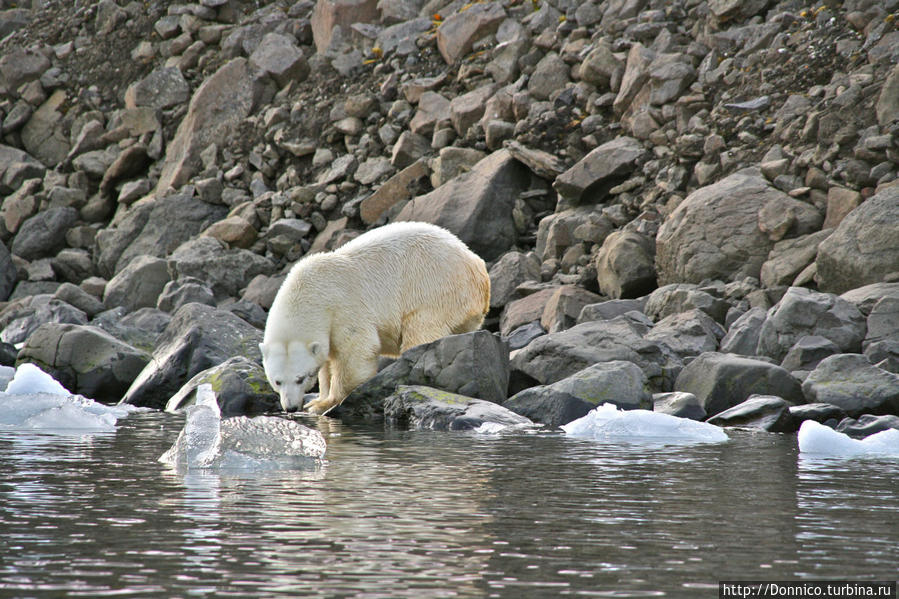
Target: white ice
x=818, y=439
x=241, y=443
x=34, y=400
x=608, y=423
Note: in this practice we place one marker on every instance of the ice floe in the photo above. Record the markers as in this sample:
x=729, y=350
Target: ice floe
x=819, y=440
x=609, y=424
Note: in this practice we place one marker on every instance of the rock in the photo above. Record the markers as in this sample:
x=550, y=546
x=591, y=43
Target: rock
x=476, y=206
x=677, y=298
x=459, y=31
x=767, y=412
x=722, y=381
x=507, y=273
x=819, y=412
x=557, y=232
x=669, y=76
x=8, y=273
x=601, y=65
x=400, y=37
x=853, y=384
x=44, y=234
x=867, y=425
x=140, y=329
x=610, y=309
x=564, y=306
x=43, y=136
x=227, y=271
x=543, y=164
x=9, y=158
x=279, y=57
x=678, y=403
x=687, y=333
x=342, y=168
x=552, y=357
x=40, y=309
x=866, y=297
x=467, y=109
x=620, y=383
x=743, y=335
x=714, y=233
x=591, y=178
x=148, y=228
x=197, y=338
x=840, y=202
x=80, y=299
x=432, y=109
x=85, y=359
x=635, y=77
x=549, y=77
x=625, y=265
x=138, y=285
x=788, y=217
x=331, y=14
x=19, y=66
x=240, y=387
x=216, y=109
x=883, y=322
x=887, y=107
x=424, y=408
x=864, y=248
x=372, y=170
x=474, y=364
x=808, y=352
x=790, y=257
x=234, y=231
x=804, y=312
x=525, y=310
x=132, y=162
x=452, y=162
x=184, y=291
x=523, y=335
x=397, y=188
x=163, y=88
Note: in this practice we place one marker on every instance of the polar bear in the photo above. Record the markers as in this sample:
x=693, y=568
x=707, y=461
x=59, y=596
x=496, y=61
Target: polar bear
x=389, y=289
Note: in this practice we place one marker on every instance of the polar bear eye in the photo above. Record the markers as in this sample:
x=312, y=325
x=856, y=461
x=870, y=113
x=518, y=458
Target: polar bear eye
x=277, y=383
x=299, y=380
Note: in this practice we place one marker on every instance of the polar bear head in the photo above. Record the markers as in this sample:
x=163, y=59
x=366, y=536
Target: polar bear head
x=292, y=369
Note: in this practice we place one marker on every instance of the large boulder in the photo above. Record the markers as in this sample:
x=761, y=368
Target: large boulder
x=227, y=271
x=551, y=358
x=278, y=56
x=722, y=381
x=591, y=178
x=155, y=228
x=617, y=382
x=474, y=364
x=852, y=383
x=85, y=359
x=625, y=265
x=804, y=312
x=331, y=14
x=240, y=385
x=864, y=248
x=687, y=333
x=476, y=206
x=197, y=338
x=37, y=310
x=218, y=106
x=8, y=273
x=44, y=134
x=425, y=408
x=714, y=233
x=138, y=285
x=44, y=234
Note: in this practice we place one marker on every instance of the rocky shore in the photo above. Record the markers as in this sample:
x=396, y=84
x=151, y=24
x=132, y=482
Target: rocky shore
x=691, y=207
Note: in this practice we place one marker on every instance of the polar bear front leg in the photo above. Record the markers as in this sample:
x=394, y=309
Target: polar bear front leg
x=344, y=378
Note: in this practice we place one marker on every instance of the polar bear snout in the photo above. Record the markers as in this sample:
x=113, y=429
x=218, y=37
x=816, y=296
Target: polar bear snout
x=291, y=393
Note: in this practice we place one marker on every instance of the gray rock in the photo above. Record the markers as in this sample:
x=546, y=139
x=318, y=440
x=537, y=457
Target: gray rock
x=687, y=333
x=867, y=425
x=743, y=335
x=767, y=412
x=197, y=338
x=9, y=158
x=617, y=382
x=21, y=65
x=557, y=232
x=467, y=109
x=808, y=352
x=803, y=312
x=44, y=234
x=400, y=37
x=77, y=297
x=408, y=149
x=226, y=271
x=669, y=76
x=564, y=306
x=397, y=188
x=43, y=135
x=819, y=412
x=866, y=297
x=549, y=77
x=85, y=359
x=525, y=310
x=864, y=248
x=141, y=328
x=507, y=273
x=883, y=322
x=474, y=364
x=184, y=290
x=424, y=408
x=220, y=103
x=279, y=57
x=677, y=298
x=635, y=77
x=551, y=358
x=601, y=65
x=524, y=334
x=8, y=273
x=625, y=265
x=39, y=310
x=852, y=383
x=721, y=381
x=790, y=257
x=433, y=108
x=330, y=16
x=714, y=233
x=163, y=88
x=262, y=289
x=240, y=385
x=154, y=228
x=888, y=102
x=138, y=285
x=476, y=206
x=591, y=178
x=680, y=404
x=610, y=309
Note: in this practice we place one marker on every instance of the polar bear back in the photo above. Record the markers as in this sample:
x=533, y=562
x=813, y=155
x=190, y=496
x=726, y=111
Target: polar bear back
x=390, y=276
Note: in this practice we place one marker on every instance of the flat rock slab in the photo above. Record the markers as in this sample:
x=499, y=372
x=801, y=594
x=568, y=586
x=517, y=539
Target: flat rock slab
x=420, y=407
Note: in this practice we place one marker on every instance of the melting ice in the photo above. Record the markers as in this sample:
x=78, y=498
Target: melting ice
x=818, y=439
x=34, y=400
x=241, y=443
x=608, y=423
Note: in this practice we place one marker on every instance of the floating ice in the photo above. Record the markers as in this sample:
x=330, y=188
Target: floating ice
x=241, y=443
x=608, y=423
x=817, y=439
x=34, y=400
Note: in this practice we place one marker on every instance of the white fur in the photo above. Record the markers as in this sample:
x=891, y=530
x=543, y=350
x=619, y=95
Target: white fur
x=389, y=289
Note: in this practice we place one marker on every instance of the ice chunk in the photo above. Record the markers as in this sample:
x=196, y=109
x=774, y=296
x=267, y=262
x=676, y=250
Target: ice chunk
x=241, y=443
x=608, y=423
x=34, y=400
x=818, y=439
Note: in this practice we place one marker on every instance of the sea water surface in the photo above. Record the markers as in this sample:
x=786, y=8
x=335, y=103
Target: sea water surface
x=434, y=514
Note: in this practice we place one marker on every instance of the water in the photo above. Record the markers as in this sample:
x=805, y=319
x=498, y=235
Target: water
x=424, y=514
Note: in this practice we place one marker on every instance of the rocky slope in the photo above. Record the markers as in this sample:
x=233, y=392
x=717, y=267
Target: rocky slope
x=704, y=190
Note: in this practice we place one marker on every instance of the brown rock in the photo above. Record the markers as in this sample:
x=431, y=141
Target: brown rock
x=457, y=34
x=396, y=189
x=329, y=14
x=840, y=202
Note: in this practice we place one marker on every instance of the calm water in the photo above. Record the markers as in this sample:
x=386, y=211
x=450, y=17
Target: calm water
x=420, y=514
